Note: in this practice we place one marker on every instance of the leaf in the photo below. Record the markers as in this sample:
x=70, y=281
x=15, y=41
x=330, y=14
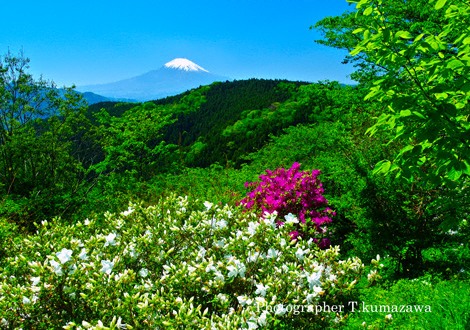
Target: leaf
x=467, y=168
x=454, y=64
x=356, y=50
x=382, y=167
x=406, y=149
x=418, y=38
x=403, y=34
x=418, y=114
x=454, y=174
x=440, y=4
x=368, y=11
x=405, y=113
x=441, y=96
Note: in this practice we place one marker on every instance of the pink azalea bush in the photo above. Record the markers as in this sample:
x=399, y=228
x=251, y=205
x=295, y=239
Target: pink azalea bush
x=292, y=193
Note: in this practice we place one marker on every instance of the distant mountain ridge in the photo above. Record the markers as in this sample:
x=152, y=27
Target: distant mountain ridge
x=174, y=77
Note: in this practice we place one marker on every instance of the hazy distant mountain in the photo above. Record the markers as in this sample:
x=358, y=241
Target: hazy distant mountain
x=93, y=98
x=172, y=78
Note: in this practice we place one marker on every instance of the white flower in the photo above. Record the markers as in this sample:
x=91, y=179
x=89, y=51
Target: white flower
x=254, y=256
x=237, y=269
x=219, y=276
x=144, y=272
x=388, y=316
x=273, y=253
x=317, y=290
x=201, y=253
x=128, y=212
x=279, y=309
x=270, y=219
x=244, y=300
x=220, y=243
x=314, y=279
x=87, y=222
x=120, y=325
x=220, y=224
x=83, y=255
x=222, y=297
x=110, y=239
x=57, y=267
x=310, y=297
x=270, y=222
x=252, y=228
x=261, y=289
x=130, y=249
x=26, y=300
x=119, y=223
x=372, y=275
x=260, y=301
x=262, y=318
x=72, y=269
x=35, y=280
x=301, y=253
x=64, y=255
x=208, y=205
x=252, y=323
x=232, y=271
x=107, y=266
x=290, y=218
x=210, y=267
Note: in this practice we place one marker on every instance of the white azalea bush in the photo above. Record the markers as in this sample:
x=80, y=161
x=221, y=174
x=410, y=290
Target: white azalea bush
x=179, y=264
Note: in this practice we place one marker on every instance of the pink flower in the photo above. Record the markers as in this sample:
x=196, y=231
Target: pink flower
x=290, y=191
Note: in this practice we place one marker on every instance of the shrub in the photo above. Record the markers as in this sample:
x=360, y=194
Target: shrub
x=292, y=192
x=173, y=265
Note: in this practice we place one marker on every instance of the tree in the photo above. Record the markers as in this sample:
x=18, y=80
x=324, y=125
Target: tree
x=132, y=143
x=40, y=130
x=414, y=16
x=423, y=78
x=415, y=58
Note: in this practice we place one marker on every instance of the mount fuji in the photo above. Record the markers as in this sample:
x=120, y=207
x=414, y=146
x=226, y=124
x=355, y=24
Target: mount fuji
x=174, y=77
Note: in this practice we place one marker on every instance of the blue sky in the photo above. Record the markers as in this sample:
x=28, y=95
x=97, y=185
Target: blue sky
x=88, y=42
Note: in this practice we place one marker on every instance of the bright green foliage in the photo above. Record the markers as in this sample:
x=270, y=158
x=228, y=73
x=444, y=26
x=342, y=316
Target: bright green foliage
x=414, y=16
x=426, y=87
x=131, y=142
x=413, y=57
x=448, y=304
x=217, y=108
x=178, y=264
x=40, y=128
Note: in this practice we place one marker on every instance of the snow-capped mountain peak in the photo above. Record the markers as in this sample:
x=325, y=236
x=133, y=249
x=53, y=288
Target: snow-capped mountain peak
x=184, y=64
